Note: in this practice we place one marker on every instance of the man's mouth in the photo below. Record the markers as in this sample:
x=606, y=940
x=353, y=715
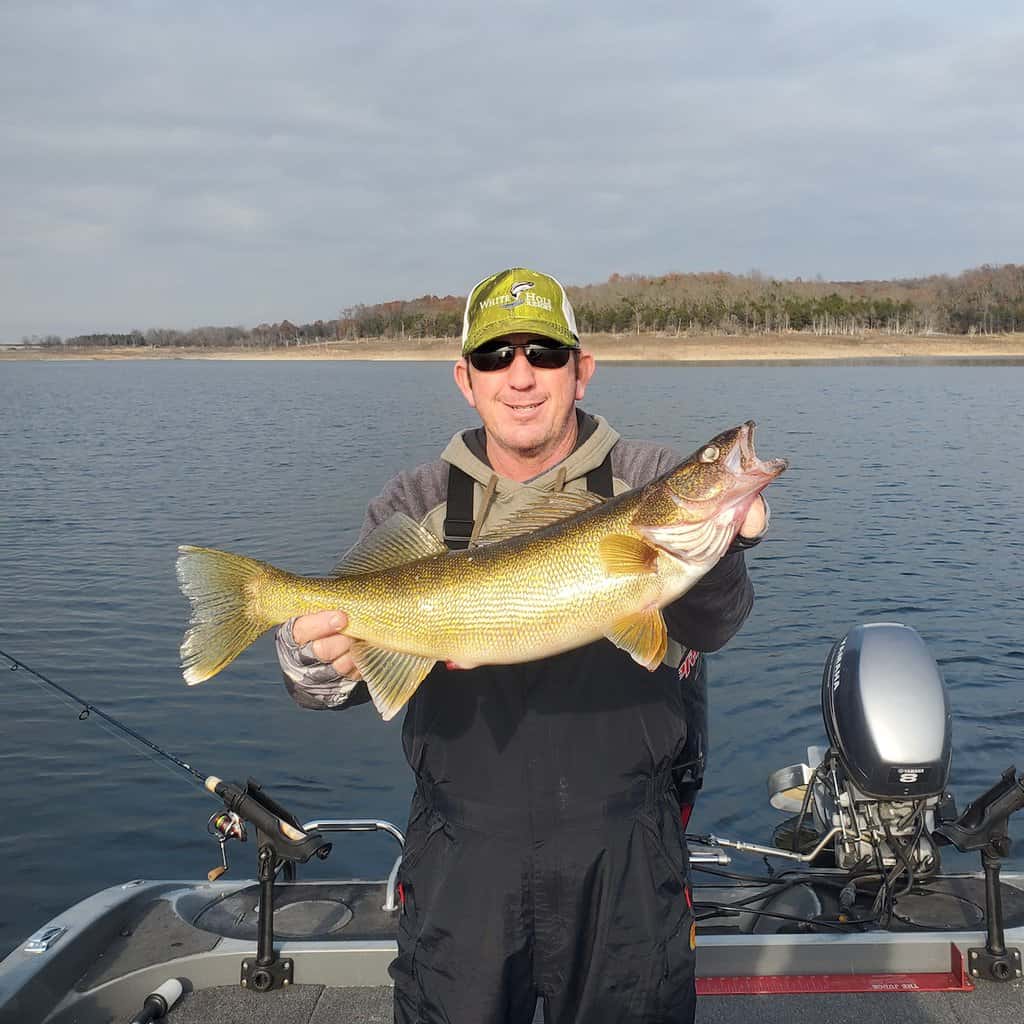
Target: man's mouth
x=523, y=407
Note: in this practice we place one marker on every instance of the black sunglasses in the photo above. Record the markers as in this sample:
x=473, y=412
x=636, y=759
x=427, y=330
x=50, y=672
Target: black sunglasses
x=542, y=355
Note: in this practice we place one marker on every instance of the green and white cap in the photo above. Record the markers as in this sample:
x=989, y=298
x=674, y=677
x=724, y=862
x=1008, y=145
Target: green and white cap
x=514, y=301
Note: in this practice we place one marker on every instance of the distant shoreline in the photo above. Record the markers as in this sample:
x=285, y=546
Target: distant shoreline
x=624, y=348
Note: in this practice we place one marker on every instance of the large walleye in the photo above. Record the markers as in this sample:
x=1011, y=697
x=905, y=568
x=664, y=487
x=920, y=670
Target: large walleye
x=573, y=569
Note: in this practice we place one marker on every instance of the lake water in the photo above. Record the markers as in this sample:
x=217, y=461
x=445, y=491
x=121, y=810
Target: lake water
x=903, y=502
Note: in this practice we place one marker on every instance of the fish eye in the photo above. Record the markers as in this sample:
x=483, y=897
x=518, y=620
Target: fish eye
x=710, y=454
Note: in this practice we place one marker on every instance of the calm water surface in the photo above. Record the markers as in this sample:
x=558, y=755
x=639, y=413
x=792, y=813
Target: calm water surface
x=903, y=503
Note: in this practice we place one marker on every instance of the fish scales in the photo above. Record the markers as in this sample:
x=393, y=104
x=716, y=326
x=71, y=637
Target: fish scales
x=527, y=595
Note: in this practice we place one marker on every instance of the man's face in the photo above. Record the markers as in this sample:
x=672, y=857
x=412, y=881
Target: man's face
x=528, y=412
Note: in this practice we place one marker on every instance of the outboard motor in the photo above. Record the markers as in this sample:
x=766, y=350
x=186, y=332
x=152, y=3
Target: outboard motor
x=887, y=764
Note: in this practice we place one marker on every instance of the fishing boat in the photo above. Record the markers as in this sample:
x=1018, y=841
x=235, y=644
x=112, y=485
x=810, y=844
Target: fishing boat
x=847, y=916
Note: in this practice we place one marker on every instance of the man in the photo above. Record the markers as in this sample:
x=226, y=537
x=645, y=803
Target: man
x=545, y=855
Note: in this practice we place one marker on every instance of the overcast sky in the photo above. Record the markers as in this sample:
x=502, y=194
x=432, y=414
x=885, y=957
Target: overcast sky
x=179, y=164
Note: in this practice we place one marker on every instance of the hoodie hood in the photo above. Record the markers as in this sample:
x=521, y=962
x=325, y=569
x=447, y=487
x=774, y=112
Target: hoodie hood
x=598, y=439
x=498, y=498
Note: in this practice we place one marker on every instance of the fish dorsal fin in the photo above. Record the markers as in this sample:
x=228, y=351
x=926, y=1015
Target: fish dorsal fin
x=391, y=676
x=546, y=511
x=627, y=556
x=395, y=542
x=643, y=636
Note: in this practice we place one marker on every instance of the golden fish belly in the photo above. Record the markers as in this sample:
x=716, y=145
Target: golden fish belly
x=500, y=618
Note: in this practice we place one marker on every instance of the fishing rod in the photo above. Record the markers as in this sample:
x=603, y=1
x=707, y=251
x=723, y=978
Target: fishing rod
x=281, y=839
x=88, y=709
x=243, y=802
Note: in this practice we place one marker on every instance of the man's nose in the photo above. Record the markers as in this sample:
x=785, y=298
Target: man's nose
x=521, y=373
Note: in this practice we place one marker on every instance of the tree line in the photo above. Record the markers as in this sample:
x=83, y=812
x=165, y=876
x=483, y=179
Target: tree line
x=984, y=300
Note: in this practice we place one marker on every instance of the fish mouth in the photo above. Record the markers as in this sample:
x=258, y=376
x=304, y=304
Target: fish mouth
x=735, y=474
x=744, y=460
x=750, y=474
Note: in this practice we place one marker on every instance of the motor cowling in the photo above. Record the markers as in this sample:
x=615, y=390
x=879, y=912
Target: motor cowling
x=886, y=712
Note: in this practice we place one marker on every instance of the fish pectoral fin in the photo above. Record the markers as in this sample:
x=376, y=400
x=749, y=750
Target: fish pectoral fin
x=627, y=556
x=643, y=636
x=396, y=541
x=391, y=676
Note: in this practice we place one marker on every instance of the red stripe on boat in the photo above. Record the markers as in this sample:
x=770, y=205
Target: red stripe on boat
x=955, y=980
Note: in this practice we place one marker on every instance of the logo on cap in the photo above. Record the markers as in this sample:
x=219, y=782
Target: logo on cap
x=520, y=294
x=517, y=300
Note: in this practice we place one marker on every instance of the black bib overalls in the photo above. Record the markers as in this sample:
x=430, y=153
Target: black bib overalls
x=545, y=855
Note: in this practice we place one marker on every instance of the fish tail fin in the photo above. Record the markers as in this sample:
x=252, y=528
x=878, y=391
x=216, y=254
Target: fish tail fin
x=226, y=612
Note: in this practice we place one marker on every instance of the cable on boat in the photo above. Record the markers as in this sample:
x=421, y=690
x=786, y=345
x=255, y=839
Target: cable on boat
x=120, y=730
x=730, y=910
x=882, y=910
x=735, y=876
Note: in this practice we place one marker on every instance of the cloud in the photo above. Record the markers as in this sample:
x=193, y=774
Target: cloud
x=172, y=165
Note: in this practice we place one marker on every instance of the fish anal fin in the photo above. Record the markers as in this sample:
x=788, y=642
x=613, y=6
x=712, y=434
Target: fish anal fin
x=622, y=555
x=391, y=676
x=549, y=509
x=396, y=541
x=643, y=636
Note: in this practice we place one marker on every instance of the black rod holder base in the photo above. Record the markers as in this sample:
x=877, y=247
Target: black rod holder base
x=266, y=978
x=983, y=964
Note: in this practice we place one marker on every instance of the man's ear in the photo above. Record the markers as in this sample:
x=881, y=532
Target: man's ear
x=462, y=381
x=585, y=367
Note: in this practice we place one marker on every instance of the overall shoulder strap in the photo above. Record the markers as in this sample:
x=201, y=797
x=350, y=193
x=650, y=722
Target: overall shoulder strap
x=458, y=523
x=599, y=479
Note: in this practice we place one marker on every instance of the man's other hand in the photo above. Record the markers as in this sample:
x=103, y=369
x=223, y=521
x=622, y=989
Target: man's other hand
x=753, y=525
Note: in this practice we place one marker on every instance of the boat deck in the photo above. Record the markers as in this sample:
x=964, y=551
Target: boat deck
x=123, y=943
x=301, y=1004
x=315, y=1004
